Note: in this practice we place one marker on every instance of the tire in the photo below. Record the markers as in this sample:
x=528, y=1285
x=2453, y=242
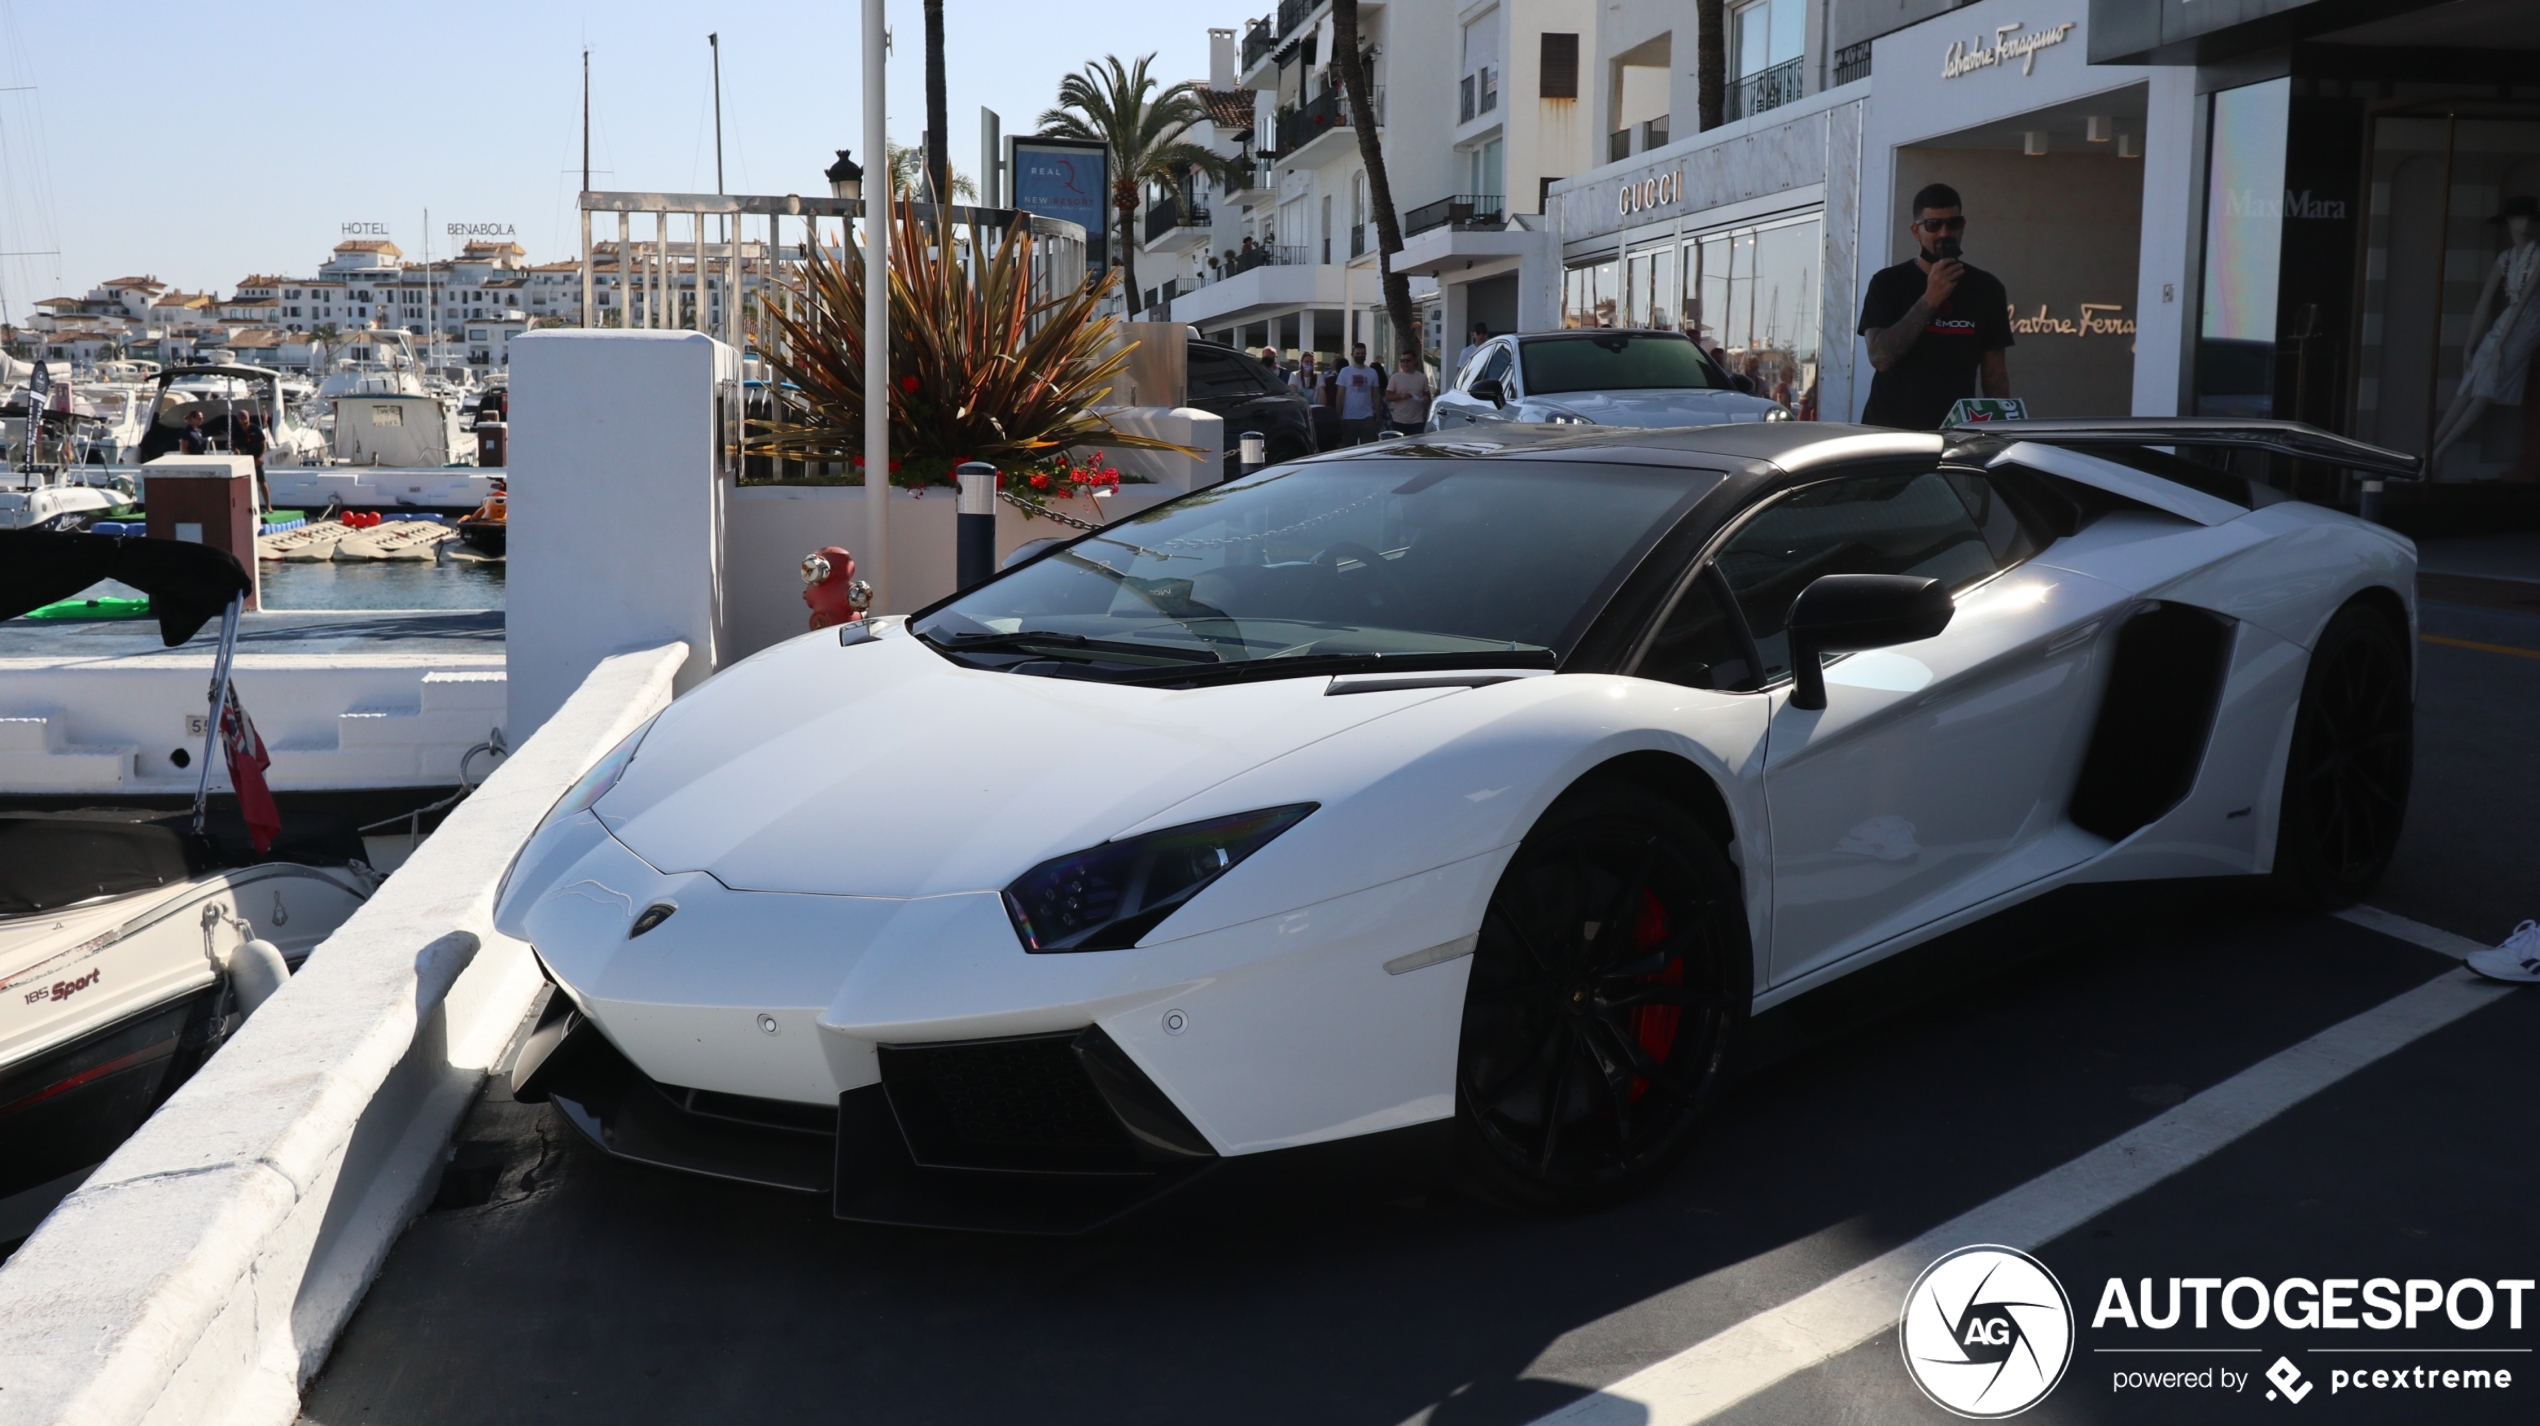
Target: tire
x=1587, y=1055
x=2346, y=778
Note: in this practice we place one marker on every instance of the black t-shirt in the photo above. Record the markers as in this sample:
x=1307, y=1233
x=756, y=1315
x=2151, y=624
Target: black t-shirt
x=1916, y=393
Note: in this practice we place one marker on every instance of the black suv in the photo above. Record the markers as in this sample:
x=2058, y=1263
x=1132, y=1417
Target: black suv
x=1235, y=385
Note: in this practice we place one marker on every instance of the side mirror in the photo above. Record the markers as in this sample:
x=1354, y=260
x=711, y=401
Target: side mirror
x=1843, y=613
x=1488, y=390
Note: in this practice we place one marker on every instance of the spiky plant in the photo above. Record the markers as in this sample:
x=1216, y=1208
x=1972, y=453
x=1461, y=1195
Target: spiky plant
x=981, y=369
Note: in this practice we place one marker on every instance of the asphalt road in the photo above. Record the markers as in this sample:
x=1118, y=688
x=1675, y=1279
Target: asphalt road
x=589, y=1290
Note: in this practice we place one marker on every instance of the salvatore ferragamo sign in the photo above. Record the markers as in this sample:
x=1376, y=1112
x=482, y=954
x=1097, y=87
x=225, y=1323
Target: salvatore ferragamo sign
x=2008, y=45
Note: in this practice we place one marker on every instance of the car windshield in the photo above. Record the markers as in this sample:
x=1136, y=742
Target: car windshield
x=1446, y=561
x=1615, y=361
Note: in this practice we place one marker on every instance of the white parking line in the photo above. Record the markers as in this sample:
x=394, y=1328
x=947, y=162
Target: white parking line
x=1715, y=1374
x=2415, y=933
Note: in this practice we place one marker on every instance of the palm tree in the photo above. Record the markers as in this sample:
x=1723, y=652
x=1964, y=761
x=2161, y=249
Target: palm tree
x=908, y=175
x=1117, y=106
x=938, y=163
x=1362, y=117
x=1711, y=62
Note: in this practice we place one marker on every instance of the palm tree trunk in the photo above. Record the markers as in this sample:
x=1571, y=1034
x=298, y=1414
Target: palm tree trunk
x=1711, y=62
x=1128, y=248
x=938, y=159
x=1362, y=117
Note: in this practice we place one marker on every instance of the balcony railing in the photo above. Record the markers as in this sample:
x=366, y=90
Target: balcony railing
x=1262, y=255
x=1463, y=212
x=1319, y=116
x=1852, y=62
x=1292, y=13
x=1618, y=146
x=1260, y=38
x=1765, y=90
x=1167, y=214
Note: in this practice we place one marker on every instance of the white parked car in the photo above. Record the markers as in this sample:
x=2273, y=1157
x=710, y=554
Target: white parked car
x=1597, y=377
x=1463, y=796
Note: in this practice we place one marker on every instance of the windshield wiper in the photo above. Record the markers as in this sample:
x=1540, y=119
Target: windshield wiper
x=1311, y=665
x=1056, y=640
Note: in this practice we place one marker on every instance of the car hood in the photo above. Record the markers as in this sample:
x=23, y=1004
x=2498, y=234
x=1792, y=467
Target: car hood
x=884, y=769
x=1657, y=408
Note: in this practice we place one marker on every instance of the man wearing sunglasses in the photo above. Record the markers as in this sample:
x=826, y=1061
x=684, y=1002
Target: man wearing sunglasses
x=1934, y=323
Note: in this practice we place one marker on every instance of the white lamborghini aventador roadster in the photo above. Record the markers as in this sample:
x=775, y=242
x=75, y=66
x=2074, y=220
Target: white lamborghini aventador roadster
x=1456, y=797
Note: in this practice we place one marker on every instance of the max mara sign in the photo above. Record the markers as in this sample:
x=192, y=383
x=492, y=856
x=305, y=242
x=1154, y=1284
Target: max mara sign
x=2008, y=44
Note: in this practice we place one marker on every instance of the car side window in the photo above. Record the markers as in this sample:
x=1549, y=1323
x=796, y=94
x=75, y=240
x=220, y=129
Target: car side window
x=2006, y=535
x=1699, y=643
x=1494, y=367
x=1914, y=523
x=1220, y=374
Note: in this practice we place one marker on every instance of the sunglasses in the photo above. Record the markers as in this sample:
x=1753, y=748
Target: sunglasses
x=1941, y=225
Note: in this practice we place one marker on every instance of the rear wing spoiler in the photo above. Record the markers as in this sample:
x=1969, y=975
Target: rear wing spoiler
x=2286, y=438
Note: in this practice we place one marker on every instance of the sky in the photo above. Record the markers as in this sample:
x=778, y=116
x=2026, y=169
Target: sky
x=201, y=145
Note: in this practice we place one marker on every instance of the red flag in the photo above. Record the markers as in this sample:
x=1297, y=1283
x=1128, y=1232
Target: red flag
x=244, y=749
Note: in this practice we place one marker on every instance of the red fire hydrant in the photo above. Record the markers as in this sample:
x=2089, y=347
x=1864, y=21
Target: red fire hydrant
x=831, y=589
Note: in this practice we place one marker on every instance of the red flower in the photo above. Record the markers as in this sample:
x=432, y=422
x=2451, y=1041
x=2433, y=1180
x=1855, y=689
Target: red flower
x=908, y=384
x=1040, y=482
x=895, y=467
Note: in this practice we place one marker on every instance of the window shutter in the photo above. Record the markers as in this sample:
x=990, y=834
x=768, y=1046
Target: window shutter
x=1560, y=66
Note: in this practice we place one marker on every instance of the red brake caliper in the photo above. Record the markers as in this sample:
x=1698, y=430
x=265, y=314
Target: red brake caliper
x=1654, y=1026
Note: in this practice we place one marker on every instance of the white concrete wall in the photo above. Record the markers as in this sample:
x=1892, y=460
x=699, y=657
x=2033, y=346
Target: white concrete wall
x=616, y=507
x=771, y=527
x=330, y=721
x=203, y=1271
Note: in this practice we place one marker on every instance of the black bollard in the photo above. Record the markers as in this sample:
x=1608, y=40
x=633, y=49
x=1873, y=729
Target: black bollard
x=1254, y=454
x=975, y=515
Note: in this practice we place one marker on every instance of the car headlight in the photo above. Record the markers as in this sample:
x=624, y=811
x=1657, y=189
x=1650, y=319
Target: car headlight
x=1104, y=898
x=584, y=794
x=1778, y=413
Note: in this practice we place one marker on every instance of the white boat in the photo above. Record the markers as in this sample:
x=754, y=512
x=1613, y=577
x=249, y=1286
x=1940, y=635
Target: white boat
x=219, y=392
x=130, y=948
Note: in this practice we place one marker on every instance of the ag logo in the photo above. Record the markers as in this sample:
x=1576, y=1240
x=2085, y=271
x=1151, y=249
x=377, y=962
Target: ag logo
x=1987, y=1332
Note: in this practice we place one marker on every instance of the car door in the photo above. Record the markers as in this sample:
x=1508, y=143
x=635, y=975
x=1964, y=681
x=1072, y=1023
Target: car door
x=1228, y=385
x=1936, y=776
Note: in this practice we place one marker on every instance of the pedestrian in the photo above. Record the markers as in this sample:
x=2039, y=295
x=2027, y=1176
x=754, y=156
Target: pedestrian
x=2517, y=960
x=1407, y=394
x=1249, y=256
x=1303, y=379
x=1481, y=334
x=247, y=438
x=196, y=441
x=1938, y=328
x=1358, y=389
x=1270, y=359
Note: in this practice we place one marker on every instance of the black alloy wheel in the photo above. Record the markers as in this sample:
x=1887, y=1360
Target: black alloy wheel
x=2346, y=781
x=1611, y=970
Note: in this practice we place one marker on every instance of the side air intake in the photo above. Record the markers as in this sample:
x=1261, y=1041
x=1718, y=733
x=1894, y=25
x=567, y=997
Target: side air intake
x=2154, y=719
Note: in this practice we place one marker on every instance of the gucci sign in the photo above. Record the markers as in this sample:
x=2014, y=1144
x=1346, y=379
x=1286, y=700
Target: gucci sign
x=1650, y=193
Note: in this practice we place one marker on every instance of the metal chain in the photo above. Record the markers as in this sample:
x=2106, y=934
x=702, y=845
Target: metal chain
x=1044, y=511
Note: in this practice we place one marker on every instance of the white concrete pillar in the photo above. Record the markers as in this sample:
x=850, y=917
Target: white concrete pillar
x=617, y=507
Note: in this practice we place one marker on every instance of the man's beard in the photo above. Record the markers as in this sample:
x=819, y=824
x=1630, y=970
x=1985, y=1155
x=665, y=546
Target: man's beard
x=1944, y=248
